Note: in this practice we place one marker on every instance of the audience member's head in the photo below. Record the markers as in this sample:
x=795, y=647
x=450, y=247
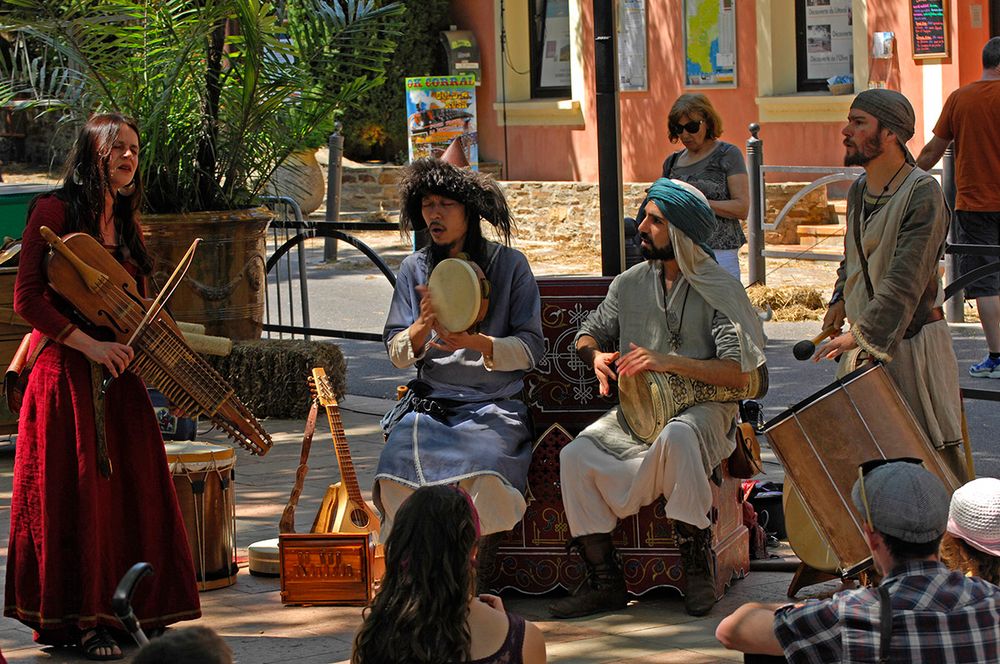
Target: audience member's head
x=420, y=613
x=191, y=645
x=991, y=54
x=972, y=544
x=906, y=505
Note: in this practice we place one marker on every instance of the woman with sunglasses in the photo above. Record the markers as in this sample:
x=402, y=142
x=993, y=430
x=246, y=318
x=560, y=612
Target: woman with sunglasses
x=716, y=168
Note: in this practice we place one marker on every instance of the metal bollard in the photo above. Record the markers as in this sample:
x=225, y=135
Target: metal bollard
x=334, y=173
x=755, y=220
x=954, y=307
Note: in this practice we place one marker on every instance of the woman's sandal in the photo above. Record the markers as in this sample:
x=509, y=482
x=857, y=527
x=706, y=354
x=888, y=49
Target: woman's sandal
x=94, y=641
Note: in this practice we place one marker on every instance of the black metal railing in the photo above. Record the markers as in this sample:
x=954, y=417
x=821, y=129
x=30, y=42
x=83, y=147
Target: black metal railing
x=289, y=233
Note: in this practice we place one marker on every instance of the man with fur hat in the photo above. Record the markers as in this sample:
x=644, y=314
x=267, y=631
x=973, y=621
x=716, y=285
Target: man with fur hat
x=888, y=287
x=920, y=612
x=678, y=312
x=462, y=421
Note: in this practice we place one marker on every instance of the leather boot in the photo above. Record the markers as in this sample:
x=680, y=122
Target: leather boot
x=486, y=558
x=699, y=568
x=603, y=589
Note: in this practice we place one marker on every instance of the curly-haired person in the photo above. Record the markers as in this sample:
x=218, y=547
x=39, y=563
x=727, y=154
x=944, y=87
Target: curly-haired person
x=463, y=420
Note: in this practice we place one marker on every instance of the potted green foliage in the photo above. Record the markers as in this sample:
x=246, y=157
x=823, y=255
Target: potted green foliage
x=224, y=92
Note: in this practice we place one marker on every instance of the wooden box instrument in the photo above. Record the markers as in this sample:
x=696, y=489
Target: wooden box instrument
x=326, y=569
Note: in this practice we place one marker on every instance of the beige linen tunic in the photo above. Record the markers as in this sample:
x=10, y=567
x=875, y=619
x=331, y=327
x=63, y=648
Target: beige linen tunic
x=902, y=241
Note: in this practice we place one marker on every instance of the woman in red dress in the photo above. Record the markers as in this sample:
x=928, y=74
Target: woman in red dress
x=87, y=507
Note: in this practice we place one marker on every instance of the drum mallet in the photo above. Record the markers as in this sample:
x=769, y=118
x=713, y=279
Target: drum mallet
x=804, y=349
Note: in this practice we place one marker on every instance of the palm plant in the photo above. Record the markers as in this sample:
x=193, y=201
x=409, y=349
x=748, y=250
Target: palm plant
x=224, y=90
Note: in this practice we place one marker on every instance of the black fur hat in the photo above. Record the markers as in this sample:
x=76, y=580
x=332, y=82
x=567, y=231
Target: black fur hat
x=479, y=193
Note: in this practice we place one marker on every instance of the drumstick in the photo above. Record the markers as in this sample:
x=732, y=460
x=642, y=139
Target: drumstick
x=804, y=349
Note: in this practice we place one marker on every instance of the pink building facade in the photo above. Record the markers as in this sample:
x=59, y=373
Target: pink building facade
x=543, y=137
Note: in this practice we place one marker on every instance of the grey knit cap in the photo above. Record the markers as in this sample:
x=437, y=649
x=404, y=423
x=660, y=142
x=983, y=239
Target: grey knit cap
x=893, y=110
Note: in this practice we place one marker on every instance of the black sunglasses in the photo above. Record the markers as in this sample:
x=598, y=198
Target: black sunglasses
x=869, y=466
x=690, y=127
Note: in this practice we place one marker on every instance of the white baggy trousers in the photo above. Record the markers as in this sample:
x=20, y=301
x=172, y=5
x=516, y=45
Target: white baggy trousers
x=599, y=488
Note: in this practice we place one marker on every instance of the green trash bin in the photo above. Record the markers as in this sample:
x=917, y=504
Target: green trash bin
x=14, y=201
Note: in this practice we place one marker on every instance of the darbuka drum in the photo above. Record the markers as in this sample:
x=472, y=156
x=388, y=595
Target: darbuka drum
x=649, y=399
x=204, y=477
x=821, y=441
x=460, y=293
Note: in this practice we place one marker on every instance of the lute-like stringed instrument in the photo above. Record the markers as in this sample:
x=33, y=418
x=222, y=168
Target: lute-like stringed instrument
x=344, y=509
x=104, y=293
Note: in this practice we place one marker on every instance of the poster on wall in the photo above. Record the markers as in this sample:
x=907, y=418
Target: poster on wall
x=829, y=38
x=439, y=110
x=710, y=43
x=632, y=45
x=556, y=70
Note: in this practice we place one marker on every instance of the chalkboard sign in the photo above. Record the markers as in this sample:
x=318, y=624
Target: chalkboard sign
x=929, y=19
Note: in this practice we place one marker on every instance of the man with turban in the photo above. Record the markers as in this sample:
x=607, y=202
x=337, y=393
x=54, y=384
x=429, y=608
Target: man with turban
x=888, y=287
x=463, y=420
x=678, y=312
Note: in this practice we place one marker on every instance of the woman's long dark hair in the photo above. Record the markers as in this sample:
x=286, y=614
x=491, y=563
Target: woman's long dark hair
x=88, y=178
x=421, y=613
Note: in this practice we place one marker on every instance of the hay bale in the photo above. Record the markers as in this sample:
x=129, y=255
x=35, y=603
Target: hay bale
x=269, y=375
x=789, y=303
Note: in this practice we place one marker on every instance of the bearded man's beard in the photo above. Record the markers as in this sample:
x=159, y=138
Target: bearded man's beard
x=654, y=253
x=864, y=153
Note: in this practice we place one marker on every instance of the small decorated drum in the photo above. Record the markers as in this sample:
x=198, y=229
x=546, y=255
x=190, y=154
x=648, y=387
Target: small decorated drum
x=461, y=294
x=204, y=478
x=649, y=399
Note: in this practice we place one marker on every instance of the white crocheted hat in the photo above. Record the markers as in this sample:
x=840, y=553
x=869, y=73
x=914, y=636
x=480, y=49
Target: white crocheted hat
x=975, y=514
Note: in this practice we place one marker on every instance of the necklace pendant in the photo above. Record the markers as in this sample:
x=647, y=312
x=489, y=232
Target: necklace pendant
x=675, y=340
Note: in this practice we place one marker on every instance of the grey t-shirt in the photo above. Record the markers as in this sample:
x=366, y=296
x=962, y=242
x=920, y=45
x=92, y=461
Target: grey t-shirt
x=710, y=175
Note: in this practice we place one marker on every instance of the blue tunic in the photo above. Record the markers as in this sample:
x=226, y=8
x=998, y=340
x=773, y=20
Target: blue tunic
x=486, y=430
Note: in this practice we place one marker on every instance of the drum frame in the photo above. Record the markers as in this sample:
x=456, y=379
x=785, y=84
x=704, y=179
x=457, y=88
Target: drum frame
x=851, y=531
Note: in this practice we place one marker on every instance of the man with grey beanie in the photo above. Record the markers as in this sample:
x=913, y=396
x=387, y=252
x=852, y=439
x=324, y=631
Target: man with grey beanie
x=888, y=287
x=920, y=612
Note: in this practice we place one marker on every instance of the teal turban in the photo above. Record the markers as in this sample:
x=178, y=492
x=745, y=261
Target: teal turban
x=685, y=211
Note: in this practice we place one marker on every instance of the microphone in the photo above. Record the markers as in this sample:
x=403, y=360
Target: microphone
x=804, y=349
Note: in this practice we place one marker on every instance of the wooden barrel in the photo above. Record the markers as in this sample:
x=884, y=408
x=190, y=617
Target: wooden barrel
x=225, y=288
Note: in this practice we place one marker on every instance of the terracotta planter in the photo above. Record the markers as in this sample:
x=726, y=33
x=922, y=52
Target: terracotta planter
x=225, y=287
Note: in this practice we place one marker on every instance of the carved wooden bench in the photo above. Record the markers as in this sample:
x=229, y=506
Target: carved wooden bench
x=563, y=396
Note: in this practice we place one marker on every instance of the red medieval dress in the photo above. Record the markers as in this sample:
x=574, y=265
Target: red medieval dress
x=74, y=532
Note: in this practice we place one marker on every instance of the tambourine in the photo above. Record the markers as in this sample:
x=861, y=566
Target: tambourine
x=460, y=294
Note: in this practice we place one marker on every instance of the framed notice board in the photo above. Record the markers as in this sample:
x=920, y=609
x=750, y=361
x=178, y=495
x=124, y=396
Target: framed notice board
x=929, y=20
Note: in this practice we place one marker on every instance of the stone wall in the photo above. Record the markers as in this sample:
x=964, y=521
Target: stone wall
x=814, y=208
x=569, y=211
x=564, y=212
x=365, y=188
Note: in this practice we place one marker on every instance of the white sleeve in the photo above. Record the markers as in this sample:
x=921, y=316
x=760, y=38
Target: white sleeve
x=509, y=354
x=401, y=350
